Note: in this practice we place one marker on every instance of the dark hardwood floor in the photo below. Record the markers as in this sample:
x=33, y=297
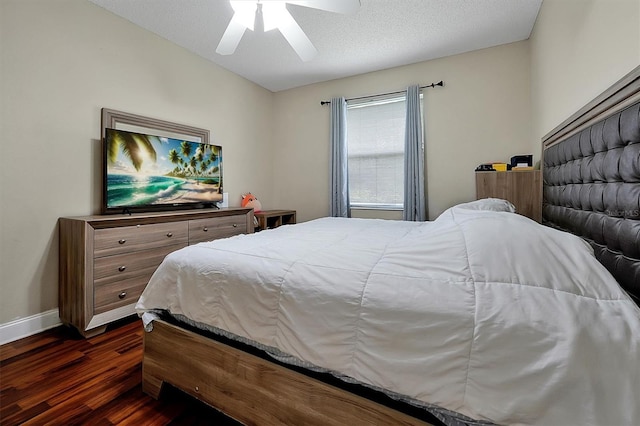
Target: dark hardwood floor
x=58, y=378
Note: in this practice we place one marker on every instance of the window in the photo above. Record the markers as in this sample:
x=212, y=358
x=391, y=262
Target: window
x=375, y=149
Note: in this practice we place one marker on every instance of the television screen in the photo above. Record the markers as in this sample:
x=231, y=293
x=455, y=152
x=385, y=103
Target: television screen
x=145, y=172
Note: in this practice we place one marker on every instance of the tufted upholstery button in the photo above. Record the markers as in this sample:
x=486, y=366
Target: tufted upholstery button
x=586, y=170
x=630, y=125
x=597, y=167
x=573, y=145
x=610, y=201
x=611, y=132
x=611, y=165
x=597, y=139
x=586, y=148
x=596, y=196
x=630, y=163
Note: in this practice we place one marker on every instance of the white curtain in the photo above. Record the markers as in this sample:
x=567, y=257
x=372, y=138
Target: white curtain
x=414, y=184
x=339, y=173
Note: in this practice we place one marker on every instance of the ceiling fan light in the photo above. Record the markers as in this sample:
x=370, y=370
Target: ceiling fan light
x=244, y=12
x=274, y=14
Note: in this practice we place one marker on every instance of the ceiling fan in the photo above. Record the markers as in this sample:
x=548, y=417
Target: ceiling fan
x=274, y=14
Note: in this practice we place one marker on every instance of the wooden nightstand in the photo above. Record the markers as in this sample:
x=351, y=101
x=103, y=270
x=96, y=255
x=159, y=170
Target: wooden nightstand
x=268, y=219
x=522, y=188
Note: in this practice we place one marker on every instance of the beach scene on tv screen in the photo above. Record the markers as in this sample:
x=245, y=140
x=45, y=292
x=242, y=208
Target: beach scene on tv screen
x=144, y=170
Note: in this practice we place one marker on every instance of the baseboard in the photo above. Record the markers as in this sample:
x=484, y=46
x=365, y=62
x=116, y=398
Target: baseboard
x=24, y=327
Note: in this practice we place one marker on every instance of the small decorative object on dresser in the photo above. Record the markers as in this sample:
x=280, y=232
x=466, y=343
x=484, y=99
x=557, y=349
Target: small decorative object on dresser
x=268, y=219
x=523, y=188
x=251, y=201
x=107, y=260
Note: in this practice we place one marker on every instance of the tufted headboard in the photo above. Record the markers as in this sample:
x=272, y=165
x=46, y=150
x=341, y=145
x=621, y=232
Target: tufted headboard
x=591, y=179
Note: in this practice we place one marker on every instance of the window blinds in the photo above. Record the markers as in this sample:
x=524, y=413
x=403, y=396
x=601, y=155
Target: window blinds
x=375, y=140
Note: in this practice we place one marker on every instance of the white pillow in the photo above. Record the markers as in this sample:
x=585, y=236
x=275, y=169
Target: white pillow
x=490, y=204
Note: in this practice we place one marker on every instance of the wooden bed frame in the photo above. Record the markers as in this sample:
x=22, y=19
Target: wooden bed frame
x=250, y=389
x=258, y=391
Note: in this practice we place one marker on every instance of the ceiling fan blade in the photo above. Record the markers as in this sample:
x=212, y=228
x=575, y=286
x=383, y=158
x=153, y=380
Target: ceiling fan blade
x=231, y=37
x=296, y=37
x=347, y=7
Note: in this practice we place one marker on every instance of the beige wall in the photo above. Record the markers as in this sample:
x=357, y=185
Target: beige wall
x=578, y=49
x=61, y=62
x=480, y=115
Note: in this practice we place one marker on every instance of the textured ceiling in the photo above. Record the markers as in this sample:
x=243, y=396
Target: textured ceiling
x=383, y=34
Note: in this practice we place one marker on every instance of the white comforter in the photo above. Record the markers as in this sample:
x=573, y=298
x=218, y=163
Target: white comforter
x=487, y=314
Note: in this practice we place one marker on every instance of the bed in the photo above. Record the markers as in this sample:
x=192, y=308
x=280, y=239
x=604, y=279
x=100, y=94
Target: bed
x=480, y=316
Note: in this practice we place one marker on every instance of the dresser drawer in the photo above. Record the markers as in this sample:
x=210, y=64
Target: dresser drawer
x=127, y=239
x=120, y=293
x=125, y=266
x=213, y=228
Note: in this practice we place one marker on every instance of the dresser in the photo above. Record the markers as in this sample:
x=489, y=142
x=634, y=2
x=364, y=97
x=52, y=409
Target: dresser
x=106, y=260
x=523, y=188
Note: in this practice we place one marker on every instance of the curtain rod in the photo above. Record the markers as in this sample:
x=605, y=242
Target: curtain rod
x=440, y=83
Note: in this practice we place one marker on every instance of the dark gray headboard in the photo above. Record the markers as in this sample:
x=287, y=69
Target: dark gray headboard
x=591, y=179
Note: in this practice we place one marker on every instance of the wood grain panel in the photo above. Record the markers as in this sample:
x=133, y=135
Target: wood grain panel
x=124, y=266
x=127, y=239
x=115, y=288
x=118, y=220
x=250, y=389
x=522, y=188
x=75, y=269
x=121, y=293
x=201, y=230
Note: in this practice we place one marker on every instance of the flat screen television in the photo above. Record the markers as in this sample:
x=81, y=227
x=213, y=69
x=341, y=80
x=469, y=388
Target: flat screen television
x=145, y=172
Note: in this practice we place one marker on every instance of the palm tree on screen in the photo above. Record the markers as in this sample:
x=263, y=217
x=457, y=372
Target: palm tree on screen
x=135, y=147
x=174, y=157
x=185, y=147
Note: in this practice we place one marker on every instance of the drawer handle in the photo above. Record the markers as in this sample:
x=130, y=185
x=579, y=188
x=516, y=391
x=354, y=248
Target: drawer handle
x=169, y=234
x=122, y=295
x=235, y=225
x=122, y=241
x=205, y=229
x=122, y=268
